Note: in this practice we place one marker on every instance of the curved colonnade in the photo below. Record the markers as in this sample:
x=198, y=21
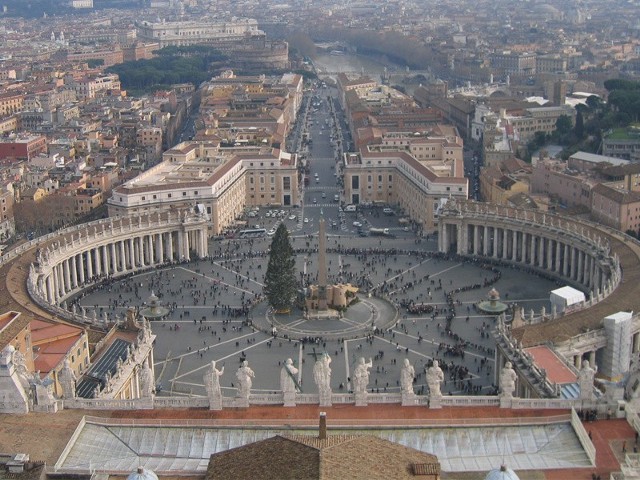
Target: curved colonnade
x=40, y=275
x=588, y=256
x=66, y=263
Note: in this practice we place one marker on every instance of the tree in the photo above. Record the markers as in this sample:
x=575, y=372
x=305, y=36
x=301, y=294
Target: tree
x=578, y=129
x=280, y=279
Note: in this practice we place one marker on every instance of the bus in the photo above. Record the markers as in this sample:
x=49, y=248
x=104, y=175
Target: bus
x=252, y=233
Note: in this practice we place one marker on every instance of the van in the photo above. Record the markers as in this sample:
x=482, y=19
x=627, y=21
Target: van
x=336, y=198
x=350, y=208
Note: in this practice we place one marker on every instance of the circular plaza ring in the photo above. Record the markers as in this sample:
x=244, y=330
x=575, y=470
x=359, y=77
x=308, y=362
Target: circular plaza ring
x=362, y=318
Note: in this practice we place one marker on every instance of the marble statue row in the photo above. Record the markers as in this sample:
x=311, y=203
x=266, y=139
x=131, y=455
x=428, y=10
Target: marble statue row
x=322, y=377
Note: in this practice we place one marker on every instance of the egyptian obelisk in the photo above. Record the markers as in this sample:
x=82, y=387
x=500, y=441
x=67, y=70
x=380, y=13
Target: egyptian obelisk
x=322, y=264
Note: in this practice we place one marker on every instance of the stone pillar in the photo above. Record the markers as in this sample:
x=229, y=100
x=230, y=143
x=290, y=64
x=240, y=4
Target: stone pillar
x=580, y=272
x=106, y=261
x=181, y=235
x=204, y=241
x=123, y=256
x=67, y=275
x=89, y=264
x=74, y=272
x=550, y=265
x=524, y=244
x=495, y=242
x=152, y=260
x=476, y=240
x=541, y=251
x=56, y=291
x=170, y=246
x=532, y=250
x=485, y=241
x=322, y=265
x=592, y=357
x=114, y=258
x=160, y=248
x=49, y=285
x=565, y=265
x=514, y=245
x=505, y=244
x=60, y=279
x=187, y=246
x=98, y=267
x=558, y=257
x=636, y=343
x=572, y=268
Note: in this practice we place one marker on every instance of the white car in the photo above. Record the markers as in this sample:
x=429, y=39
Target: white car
x=292, y=217
x=306, y=220
x=357, y=224
x=271, y=232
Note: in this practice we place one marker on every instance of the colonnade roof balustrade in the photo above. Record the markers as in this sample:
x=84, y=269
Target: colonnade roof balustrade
x=15, y=265
x=626, y=297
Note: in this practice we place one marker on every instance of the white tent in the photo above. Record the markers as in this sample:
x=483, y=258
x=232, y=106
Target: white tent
x=565, y=297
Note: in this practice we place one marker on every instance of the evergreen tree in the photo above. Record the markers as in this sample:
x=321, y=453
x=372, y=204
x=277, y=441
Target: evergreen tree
x=280, y=279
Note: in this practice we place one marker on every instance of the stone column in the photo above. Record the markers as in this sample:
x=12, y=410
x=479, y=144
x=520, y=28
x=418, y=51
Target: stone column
x=152, y=260
x=580, y=272
x=572, y=268
x=476, y=240
x=322, y=265
x=495, y=242
x=505, y=244
x=160, y=248
x=170, y=246
x=74, y=272
x=49, y=285
x=81, y=268
x=532, y=254
x=592, y=357
x=187, y=246
x=123, y=256
x=56, y=291
x=96, y=253
x=541, y=251
x=550, y=246
x=485, y=241
x=114, y=258
x=565, y=265
x=181, y=235
x=66, y=275
x=558, y=257
x=635, y=343
x=106, y=268
x=523, y=256
x=514, y=245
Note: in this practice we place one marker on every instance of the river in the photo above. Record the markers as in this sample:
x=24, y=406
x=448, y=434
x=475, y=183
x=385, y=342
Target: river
x=328, y=64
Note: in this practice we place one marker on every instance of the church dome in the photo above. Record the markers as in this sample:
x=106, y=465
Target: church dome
x=502, y=473
x=142, y=474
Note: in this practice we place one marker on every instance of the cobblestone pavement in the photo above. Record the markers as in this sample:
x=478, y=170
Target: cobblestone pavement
x=205, y=297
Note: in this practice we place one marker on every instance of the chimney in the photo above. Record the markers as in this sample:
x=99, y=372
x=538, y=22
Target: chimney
x=322, y=433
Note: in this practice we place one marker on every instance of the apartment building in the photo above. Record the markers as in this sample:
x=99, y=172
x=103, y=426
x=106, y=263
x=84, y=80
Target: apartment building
x=398, y=178
x=616, y=207
x=224, y=180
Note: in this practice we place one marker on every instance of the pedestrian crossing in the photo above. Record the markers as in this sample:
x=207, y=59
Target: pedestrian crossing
x=321, y=205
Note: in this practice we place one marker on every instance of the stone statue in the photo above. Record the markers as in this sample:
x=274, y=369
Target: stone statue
x=361, y=376
x=212, y=382
x=435, y=376
x=585, y=380
x=508, y=379
x=67, y=379
x=287, y=379
x=6, y=357
x=244, y=376
x=407, y=374
x=146, y=380
x=322, y=375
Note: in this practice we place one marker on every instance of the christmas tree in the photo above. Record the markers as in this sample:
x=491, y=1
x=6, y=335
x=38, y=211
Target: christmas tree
x=280, y=280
